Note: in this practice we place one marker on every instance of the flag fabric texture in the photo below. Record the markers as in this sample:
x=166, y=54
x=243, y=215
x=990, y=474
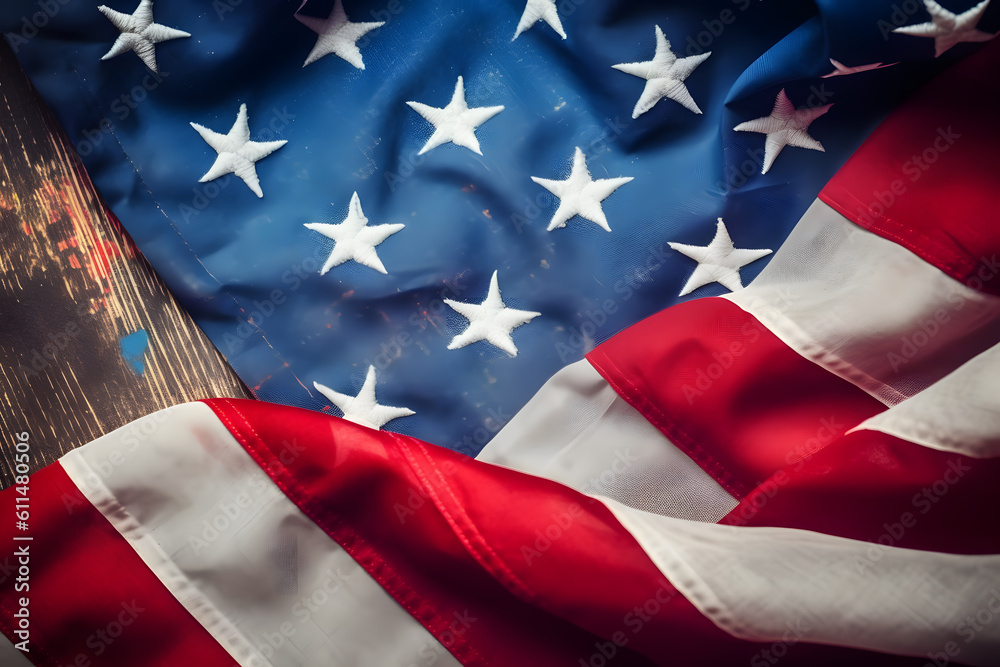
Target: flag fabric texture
x=419, y=160
x=800, y=472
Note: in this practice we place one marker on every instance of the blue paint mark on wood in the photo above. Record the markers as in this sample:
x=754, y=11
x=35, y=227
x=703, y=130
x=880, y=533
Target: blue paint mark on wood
x=134, y=348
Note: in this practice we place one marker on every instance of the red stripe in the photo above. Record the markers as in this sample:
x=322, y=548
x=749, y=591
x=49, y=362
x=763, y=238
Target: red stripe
x=727, y=391
x=361, y=488
x=92, y=601
x=549, y=575
x=875, y=487
x=926, y=178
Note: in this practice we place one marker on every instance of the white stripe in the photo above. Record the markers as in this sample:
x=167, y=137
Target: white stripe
x=77, y=467
x=264, y=580
x=867, y=309
x=960, y=413
x=576, y=430
x=779, y=584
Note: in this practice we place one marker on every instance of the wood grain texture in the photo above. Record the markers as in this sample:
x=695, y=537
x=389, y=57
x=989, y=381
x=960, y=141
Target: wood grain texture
x=72, y=286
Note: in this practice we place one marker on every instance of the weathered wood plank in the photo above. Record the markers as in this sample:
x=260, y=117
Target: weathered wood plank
x=90, y=338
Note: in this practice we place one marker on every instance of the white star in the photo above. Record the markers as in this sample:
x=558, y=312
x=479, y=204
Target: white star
x=540, y=10
x=337, y=35
x=718, y=262
x=237, y=154
x=364, y=409
x=139, y=33
x=665, y=75
x=490, y=320
x=786, y=126
x=840, y=69
x=949, y=29
x=580, y=194
x=456, y=123
x=354, y=238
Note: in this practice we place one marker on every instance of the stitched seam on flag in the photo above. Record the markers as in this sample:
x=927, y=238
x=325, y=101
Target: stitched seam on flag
x=930, y=250
x=467, y=533
x=686, y=579
x=802, y=343
x=674, y=432
x=355, y=545
x=916, y=430
x=38, y=648
x=349, y=539
x=327, y=520
x=490, y=552
x=175, y=581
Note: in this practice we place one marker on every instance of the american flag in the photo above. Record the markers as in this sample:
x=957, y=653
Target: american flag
x=521, y=232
